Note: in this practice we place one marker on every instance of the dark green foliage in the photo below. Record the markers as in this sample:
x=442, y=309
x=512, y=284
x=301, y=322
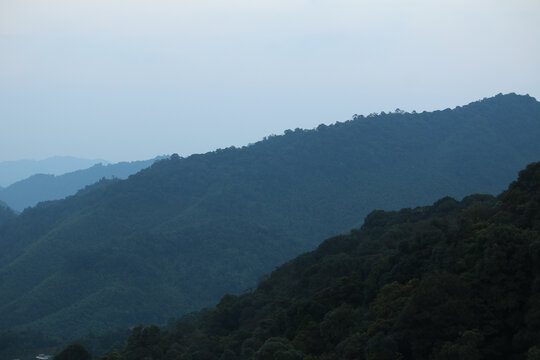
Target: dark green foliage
x=6, y=213
x=26, y=344
x=104, y=342
x=175, y=237
x=74, y=352
x=456, y=280
x=277, y=348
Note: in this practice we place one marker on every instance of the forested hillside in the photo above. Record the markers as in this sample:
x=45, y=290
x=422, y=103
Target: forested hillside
x=6, y=213
x=43, y=187
x=456, y=280
x=176, y=236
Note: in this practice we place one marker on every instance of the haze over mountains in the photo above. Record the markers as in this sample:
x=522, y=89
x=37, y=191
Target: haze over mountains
x=12, y=171
x=178, y=235
x=42, y=187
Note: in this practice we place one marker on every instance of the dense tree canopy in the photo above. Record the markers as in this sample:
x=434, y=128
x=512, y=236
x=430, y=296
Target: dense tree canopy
x=6, y=213
x=175, y=237
x=456, y=280
x=74, y=352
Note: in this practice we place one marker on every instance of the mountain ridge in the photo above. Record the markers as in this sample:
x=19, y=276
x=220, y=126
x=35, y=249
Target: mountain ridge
x=457, y=279
x=14, y=170
x=177, y=235
x=43, y=187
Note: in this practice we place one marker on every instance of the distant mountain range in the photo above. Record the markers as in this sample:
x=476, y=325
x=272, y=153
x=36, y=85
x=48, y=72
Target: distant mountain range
x=178, y=235
x=12, y=171
x=43, y=187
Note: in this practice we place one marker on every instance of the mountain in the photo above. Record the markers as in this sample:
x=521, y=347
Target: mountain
x=42, y=187
x=12, y=171
x=455, y=280
x=6, y=213
x=177, y=235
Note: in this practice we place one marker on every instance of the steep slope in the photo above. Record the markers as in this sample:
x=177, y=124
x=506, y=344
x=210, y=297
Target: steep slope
x=13, y=171
x=43, y=187
x=456, y=280
x=175, y=236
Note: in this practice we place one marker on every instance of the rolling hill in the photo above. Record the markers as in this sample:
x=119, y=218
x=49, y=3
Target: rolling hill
x=177, y=235
x=455, y=280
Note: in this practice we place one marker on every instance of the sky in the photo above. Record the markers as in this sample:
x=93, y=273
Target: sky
x=131, y=79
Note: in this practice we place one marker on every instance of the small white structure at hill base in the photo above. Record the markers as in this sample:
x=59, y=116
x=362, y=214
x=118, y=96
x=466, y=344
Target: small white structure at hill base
x=43, y=357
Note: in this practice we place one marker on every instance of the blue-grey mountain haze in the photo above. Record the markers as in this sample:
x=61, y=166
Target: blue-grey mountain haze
x=43, y=187
x=13, y=171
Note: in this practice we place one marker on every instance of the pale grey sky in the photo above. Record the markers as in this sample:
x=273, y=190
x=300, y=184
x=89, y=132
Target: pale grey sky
x=131, y=79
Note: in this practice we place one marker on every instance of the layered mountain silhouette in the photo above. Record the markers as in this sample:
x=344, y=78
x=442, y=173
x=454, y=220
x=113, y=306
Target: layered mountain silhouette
x=455, y=280
x=178, y=235
x=16, y=170
x=43, y=187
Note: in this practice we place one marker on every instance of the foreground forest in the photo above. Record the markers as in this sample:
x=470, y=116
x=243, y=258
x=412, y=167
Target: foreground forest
x=456, y=280
x=175, y=237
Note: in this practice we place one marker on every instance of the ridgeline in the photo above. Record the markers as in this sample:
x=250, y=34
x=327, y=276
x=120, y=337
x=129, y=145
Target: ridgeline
x=176, y=236
x=455, y=280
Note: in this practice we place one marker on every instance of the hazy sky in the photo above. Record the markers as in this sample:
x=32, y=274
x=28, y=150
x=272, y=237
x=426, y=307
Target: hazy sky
x=131, y=79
